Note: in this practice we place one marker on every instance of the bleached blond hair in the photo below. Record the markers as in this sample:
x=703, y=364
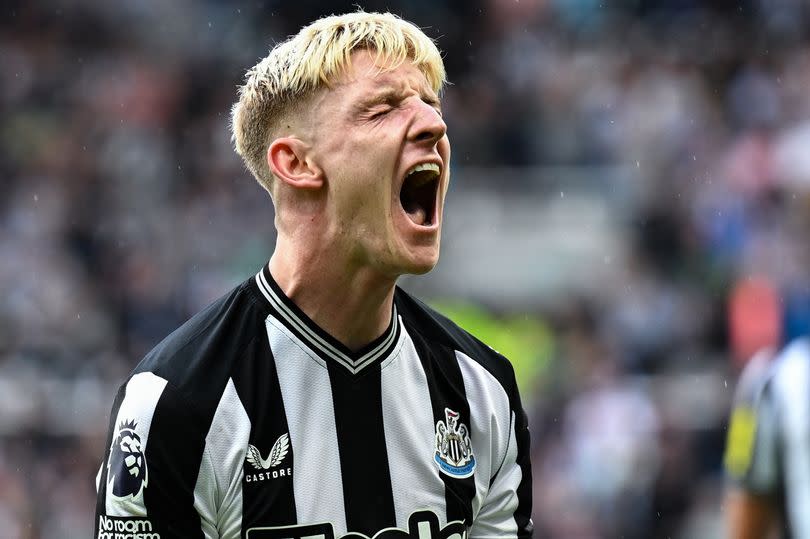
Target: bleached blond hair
x=315, y=58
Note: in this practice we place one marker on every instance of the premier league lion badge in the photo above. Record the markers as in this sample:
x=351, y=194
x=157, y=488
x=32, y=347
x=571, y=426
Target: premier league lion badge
x=453, y=455
x=127, y=465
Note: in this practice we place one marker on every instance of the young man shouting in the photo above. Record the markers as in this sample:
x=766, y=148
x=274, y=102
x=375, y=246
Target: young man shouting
x=317, y=399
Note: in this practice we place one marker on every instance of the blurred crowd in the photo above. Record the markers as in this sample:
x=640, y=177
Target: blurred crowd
x=124, y=210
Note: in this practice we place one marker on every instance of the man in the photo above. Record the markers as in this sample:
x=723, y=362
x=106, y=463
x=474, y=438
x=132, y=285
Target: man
x=768, y=448
x=317, y=399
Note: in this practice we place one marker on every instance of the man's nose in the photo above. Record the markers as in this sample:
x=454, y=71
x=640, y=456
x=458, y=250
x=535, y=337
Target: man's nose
x=428, y=126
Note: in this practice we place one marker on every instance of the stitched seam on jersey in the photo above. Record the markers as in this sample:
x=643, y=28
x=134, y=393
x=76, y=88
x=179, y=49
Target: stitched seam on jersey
x=512, y=413
x=318, y=341
x=207, y=459
x=512, y=421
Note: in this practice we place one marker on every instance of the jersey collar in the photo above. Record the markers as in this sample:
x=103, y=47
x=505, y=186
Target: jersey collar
x=319, y=340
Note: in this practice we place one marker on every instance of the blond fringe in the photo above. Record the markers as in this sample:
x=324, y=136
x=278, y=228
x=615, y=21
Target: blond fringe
x=316, y=57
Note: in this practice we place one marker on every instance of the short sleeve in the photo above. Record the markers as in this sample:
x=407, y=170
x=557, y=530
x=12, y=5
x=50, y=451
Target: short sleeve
x=146, y=484
x=506, y=510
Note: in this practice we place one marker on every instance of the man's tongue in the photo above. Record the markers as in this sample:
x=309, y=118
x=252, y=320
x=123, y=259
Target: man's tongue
x=417, y=214
x=416, y=198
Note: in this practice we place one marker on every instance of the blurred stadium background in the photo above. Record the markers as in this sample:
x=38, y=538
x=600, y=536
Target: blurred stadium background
x=629, y=218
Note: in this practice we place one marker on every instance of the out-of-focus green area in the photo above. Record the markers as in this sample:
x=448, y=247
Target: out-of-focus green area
x=525, y=340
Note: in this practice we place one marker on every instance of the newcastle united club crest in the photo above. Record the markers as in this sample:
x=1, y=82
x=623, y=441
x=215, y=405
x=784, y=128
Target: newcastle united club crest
x=453, y=454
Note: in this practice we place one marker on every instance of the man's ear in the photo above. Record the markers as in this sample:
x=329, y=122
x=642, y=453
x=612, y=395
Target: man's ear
x=288, y=160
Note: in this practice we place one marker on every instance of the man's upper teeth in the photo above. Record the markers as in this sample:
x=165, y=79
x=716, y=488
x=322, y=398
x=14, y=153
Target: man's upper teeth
x=433, y=167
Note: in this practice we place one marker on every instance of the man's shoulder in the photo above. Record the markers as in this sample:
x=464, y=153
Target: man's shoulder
x=201, y=352
x=439, y=330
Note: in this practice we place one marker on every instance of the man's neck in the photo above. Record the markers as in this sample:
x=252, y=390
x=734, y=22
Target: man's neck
x=353, y=306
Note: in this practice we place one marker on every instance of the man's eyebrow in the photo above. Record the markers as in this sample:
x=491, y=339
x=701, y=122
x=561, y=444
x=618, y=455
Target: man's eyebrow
x=384, y=94
x=384, y=89
x=378, y=96
x=388, y=93
x=431, y=99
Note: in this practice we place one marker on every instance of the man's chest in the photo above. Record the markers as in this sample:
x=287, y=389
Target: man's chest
x=392, y=451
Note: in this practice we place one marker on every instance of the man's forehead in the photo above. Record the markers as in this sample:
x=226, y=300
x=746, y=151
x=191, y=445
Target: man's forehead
x=399, y=80
x=378, y=74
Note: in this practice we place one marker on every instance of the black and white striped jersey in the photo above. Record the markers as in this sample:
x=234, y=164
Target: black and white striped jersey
x=250, y=421
x=768, y=448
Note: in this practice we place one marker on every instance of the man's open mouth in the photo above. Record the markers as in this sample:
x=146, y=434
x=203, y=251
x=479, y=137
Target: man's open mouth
x=418, y=194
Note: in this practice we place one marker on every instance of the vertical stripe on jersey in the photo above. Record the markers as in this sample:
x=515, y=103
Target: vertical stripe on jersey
x=363, y=453
x=267, y=500
x=220, y=475
x=410, y=433
x=142, y=393
x=446, y=388
x=509, y=473
x=307, y=394
x=176, y=460
x=490, y=412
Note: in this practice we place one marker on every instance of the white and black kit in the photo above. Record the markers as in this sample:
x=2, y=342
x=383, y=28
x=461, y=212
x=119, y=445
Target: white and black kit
x=250, y=421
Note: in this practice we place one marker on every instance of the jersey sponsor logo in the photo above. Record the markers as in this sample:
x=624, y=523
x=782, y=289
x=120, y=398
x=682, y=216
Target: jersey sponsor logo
x=125, y=528
x=454, y=455
x=421, y=525
x=277, y=455
x=127, y=473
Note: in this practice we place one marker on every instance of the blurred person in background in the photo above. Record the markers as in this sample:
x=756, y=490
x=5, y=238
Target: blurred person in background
x=317, y=398
x=767, y=455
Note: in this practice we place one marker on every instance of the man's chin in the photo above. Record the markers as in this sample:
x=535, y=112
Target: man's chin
x=409, y=258
x=420, y=270
x=419, y=264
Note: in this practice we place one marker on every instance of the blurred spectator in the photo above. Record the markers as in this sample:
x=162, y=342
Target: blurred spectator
x=767, y=453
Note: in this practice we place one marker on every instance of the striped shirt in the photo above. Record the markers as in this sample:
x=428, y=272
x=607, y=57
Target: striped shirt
x=768, y=448
x=250, y=421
